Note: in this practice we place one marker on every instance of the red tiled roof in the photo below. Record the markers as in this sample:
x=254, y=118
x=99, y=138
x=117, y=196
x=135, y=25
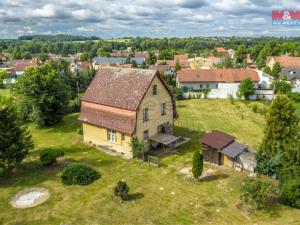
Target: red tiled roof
x=119, y=87
x=113, y=98
x=216, y=75
x=21, y=65
x=105, y=118
x=171, y=63
x=220, y=50
x=182, y=59
x=160, y=68
x=287, y=61
x=84, y=64
x=217, y=139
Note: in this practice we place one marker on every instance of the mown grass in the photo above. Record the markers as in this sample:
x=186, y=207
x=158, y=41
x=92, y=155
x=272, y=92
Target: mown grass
x=297, y=105
x=157, y=195
x=4, y=92
x=237, y=119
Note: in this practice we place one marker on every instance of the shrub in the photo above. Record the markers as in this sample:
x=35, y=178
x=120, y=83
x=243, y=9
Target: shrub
x=294, y=96
x=231, y=99
x=259, y=193
x=80, y=131
x=48, y=157
x=121, y=190
x=197, y=164
x=290, y=190
x=137, y=146
x=254, y=108
x=80, y=174
x=205, y=92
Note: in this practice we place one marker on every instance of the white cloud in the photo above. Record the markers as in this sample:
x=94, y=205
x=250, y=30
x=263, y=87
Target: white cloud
x=143, y=17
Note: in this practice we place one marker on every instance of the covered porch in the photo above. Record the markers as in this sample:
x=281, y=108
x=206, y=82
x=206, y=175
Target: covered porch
x=163, y=140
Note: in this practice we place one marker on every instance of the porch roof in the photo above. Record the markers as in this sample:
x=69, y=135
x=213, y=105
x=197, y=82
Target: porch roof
x=233, y=150
x=164, y=139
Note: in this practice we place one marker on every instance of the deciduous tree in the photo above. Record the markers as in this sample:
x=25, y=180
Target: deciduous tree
x=42, y=94
x=246, y=88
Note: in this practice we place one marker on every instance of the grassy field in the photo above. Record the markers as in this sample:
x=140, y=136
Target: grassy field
x=298, y=109
x=118, y=40
x=237, y=119
x=4, y=92
x=157, y=195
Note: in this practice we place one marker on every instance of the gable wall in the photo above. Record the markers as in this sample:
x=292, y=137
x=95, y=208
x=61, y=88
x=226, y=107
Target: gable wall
x=153, y=103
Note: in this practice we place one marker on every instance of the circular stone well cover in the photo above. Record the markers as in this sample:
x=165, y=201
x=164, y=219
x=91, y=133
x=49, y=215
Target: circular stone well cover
x=30, y=197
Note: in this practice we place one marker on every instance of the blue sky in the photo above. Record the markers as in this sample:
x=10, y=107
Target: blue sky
x=151, y=18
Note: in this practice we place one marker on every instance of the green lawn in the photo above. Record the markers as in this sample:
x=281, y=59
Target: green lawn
x=298, y=109
x=237, y=119
x=4, y=92
x=157, y=195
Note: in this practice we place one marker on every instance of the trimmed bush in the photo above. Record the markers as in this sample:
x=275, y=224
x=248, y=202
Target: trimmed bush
x=48, y=157
x=121, y=190
x=259, y=193
x=79, y=174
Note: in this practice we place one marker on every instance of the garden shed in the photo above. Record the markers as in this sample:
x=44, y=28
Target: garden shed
x=221, y=149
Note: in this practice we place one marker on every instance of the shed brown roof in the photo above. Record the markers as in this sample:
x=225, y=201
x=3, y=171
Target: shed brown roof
x=119, y=87
x=217, y=139
x=216, y=75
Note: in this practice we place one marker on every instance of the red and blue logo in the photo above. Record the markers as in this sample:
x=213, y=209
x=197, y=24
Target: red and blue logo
x=286, y=17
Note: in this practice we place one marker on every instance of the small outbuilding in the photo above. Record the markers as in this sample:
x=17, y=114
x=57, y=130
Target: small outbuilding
x=221, y=149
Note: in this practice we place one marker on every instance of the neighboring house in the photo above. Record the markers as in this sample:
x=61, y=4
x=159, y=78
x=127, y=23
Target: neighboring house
x=114, y=61
x=265, y=80
x=222, y=149
x=119, y=53
x=292, y=74
x=143, y=54
x=296, y=89
x=284, y=61
x=183, y=60
x=122, y=103
x=221, y=82
x=204, y=63
x=222, y=51
x=77, y=66
x=166, y=69
x=21, y=65
x=231, y=53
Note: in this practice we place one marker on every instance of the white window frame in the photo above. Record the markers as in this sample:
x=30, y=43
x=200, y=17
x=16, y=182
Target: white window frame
x=112, y=135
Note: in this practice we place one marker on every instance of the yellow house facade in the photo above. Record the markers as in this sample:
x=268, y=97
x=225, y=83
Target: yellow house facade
x=122, y=103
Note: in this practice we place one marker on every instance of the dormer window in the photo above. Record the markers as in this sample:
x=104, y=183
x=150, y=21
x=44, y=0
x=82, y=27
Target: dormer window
x=154, y=89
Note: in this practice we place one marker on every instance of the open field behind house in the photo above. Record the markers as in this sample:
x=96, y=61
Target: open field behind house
x=157, y=195
x=237, y=119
